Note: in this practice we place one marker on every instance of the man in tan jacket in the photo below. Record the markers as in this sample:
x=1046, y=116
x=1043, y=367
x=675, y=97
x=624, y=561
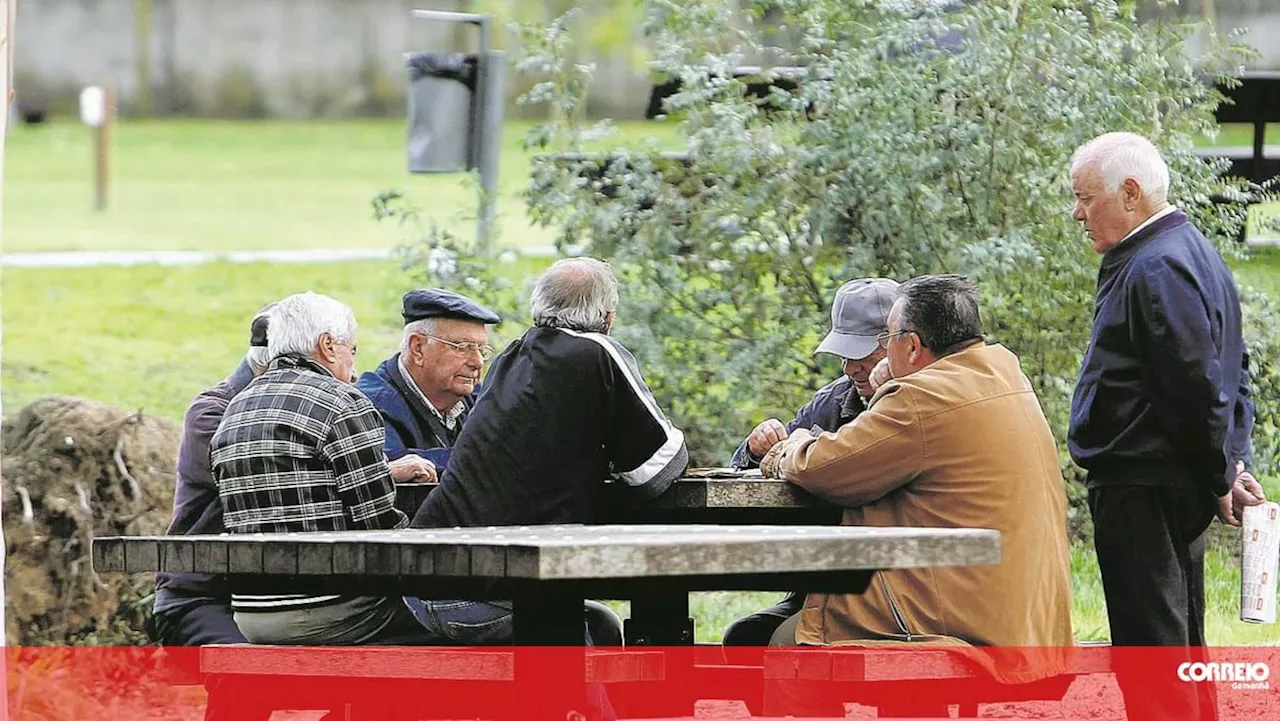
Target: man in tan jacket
x=955, y=438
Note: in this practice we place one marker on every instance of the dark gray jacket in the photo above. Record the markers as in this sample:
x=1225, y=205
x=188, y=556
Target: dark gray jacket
x=834, y=405
x=196, y=508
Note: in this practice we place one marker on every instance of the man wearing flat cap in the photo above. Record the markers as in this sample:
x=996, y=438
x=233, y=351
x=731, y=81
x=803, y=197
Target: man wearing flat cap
x=425, y=391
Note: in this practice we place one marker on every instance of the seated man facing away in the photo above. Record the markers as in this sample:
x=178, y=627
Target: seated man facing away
x=564, y=409
x=956, y=439
x=426, y=390
x=300, y=449
x=194, y=609
x=859, y=314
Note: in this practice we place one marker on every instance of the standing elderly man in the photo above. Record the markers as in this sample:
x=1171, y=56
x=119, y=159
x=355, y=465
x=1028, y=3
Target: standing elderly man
x=564, y=409
x=956, y=439
x=426, y=390
x=300, y=449
x=1162, y=414
x=859, y=314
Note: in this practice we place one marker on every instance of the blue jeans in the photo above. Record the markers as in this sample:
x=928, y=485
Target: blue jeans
x=464, y=623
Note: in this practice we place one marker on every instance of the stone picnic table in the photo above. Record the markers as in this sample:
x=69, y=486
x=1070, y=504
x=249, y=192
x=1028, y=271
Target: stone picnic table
x=548, y=571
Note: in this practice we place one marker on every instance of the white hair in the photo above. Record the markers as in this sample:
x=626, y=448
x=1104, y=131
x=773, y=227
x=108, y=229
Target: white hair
x=297, y=322
x=422, y=326
x=1119, y=156
x=577, y=294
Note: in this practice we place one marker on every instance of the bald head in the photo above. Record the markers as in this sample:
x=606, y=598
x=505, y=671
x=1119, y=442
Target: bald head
x=576, y=294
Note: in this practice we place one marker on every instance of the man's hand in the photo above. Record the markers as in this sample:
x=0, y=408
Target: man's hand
x=766, y=436
x=412, y=469
x=1245, y=492
x=879, y=375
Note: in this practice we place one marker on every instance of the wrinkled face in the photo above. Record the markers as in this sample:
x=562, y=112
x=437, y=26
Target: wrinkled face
x=338, y=357
x=443, y=371
x=859, y=371
x=1107, y=217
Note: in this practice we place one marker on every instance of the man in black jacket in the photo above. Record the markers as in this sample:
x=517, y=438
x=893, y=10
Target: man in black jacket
x=1162, y=413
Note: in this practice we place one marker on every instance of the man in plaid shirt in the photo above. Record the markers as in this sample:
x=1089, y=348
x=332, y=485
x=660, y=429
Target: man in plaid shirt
x=300, y=449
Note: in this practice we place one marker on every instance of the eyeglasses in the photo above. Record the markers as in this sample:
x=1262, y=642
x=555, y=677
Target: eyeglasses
x=466, y=347
x=883, y=338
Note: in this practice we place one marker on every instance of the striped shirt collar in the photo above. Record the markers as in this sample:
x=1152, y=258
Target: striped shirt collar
x=450, y=419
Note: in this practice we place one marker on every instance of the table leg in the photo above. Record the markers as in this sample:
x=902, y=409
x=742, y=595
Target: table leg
x=661, y=618
x=550, y=668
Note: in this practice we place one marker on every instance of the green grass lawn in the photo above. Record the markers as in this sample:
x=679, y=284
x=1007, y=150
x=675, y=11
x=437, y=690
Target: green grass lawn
x=204, y=185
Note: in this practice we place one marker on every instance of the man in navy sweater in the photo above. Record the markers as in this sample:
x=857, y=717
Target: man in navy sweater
x=1162, y=413
x=859, y=314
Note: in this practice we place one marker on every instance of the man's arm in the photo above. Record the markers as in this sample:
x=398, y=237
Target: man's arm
x=646, y=451
x=806, y=417
x=355, y=449
x=861, y=462
x=1175, y=339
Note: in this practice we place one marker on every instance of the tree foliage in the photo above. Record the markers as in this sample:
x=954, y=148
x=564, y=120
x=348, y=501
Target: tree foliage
x=923, y=137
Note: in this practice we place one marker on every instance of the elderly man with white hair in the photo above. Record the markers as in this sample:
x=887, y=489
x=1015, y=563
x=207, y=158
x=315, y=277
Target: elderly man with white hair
x=301, y=449
x=1162, y=414
x=564, y=409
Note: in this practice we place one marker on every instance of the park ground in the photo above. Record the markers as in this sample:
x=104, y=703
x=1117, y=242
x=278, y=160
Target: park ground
x=150, y=336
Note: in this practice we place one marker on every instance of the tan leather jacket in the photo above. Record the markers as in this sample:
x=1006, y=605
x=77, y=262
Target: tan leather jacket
x=961, y=443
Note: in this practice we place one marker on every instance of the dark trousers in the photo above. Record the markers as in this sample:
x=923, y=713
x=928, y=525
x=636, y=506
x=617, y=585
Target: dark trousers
x=745, y=638
x=203, y=624
x=1150, y=542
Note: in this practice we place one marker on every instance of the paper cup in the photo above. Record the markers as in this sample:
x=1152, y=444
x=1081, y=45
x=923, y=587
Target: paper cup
x=1258, y=563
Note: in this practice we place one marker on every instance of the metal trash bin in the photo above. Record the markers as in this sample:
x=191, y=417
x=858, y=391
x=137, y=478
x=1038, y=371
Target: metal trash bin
x=441, y=118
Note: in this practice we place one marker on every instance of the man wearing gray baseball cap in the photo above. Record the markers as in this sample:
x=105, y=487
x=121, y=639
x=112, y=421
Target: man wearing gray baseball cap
x=859, y=313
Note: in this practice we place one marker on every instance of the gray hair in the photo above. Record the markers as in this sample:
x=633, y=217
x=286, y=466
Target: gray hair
x=575, y=294
x=422, y=326
x=942, y=310
x=298, y=321
x=1118, y=156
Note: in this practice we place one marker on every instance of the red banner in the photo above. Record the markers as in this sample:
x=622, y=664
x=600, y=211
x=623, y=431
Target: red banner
x=248, y=682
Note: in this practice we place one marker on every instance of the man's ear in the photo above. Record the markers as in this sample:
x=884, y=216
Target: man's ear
x=608, y=321
x=326, y=345
x=1132, y=193
x=417, y=347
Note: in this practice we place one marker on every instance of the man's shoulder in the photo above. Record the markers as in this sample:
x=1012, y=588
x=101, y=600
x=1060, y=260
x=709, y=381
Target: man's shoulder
x=321, y=390
x=377, y=385
x=836, y=389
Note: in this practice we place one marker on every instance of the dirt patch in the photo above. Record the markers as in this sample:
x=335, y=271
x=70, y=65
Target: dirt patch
x=74, y=469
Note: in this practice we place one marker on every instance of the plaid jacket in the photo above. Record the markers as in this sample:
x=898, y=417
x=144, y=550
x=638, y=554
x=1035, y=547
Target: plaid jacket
x=299, y=450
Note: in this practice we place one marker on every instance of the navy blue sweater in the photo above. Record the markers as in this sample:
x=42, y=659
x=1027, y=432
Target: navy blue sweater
x=1163, y=397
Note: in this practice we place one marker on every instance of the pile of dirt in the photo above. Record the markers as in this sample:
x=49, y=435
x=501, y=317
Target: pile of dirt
x=75, y=469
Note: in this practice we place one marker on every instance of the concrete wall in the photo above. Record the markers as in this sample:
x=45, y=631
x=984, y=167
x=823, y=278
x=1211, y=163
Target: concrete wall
x=305, y=58
x=290, y=58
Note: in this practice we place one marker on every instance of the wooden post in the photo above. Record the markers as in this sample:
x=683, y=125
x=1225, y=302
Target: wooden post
x=102, y=148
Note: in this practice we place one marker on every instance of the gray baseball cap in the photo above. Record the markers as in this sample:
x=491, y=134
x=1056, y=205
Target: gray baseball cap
x=859, y=313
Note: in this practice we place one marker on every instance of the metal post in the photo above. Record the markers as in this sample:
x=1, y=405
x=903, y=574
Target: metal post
x=486, y=120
